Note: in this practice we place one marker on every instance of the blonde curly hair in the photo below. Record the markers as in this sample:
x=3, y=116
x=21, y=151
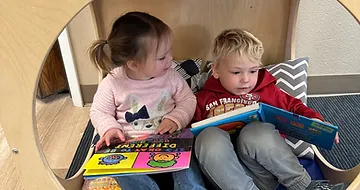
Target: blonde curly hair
x=237, y=40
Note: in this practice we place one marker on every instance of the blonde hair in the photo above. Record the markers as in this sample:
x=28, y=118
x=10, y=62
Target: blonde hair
x=237, y=40
x=131, y=39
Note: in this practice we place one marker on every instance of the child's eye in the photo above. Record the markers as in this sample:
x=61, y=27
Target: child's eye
x=162, y=58
x=254, y=71
x=235, y=72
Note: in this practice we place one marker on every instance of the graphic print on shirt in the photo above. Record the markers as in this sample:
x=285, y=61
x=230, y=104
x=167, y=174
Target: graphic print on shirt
x=145, y=118
x=223, y=105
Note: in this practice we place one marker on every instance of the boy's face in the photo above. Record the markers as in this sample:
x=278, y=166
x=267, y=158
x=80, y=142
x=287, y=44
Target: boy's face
x=236, y=73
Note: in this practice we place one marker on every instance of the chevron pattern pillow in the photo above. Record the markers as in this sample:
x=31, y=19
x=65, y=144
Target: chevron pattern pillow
x=291, y=77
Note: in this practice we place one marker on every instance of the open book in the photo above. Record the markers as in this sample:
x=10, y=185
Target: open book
x=143, y=155
x=300, y=127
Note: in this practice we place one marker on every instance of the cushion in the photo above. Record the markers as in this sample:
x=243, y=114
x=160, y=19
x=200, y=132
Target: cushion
x=190, y=71
x=291, y=77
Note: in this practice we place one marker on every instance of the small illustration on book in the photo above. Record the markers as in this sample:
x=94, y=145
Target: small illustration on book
x=163, y=160
x=111, y=159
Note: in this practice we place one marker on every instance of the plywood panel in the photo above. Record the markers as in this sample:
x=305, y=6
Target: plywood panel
x=60, y=127
x=53, y=77
x=196, y=23
x=28, y=30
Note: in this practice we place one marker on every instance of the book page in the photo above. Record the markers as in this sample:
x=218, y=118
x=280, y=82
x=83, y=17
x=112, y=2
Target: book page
x=300, y=127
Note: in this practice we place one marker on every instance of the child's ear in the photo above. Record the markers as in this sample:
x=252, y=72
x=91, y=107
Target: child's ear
x=215, y=71
x=132, y=65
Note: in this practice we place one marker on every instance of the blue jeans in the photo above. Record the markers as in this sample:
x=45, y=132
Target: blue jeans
x=260, y=160
x=188, y=179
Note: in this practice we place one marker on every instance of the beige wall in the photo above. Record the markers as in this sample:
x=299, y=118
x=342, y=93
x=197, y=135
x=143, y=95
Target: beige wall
x=330, y=36
x=82, y=32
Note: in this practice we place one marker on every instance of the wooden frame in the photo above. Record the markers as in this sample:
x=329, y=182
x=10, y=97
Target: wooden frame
x=334, y=174
x=29, y=28
x=194, y=30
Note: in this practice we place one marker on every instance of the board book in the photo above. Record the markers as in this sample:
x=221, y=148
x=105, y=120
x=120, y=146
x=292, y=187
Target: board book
x=300, y=127
x=143, y=155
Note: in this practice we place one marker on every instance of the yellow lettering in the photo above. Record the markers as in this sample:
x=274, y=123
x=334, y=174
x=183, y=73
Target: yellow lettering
x=165, y=145
x=219, y=110
x=229, y=107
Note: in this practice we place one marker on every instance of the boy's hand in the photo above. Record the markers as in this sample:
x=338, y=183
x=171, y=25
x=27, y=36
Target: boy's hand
x=316, y=119
x=336, y=140
x=167, y=125
x=110, y=136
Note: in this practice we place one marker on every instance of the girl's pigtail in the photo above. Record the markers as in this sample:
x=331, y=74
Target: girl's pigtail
x=98, y=56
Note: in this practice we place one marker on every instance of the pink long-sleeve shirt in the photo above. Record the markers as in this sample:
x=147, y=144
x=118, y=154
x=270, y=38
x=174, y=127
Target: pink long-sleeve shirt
x=137, y=107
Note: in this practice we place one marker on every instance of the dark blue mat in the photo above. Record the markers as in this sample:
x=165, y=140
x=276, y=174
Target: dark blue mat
x=343, y=111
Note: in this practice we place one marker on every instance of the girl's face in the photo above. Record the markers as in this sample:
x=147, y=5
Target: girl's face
x=157, y=63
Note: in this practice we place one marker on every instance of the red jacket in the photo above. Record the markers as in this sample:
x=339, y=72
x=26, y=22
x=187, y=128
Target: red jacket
x=214, y=99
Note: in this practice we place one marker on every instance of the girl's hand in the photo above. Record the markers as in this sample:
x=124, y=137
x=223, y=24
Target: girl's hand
x=110, y=137
x=167, y=125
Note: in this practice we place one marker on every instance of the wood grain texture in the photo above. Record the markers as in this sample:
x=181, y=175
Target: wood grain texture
x=60, y=126
x=196, y=23
x=9, y=178
x=53, y=77
x=28, y=30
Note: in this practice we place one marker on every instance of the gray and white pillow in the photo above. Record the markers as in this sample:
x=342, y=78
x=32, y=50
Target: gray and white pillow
x=291, y=77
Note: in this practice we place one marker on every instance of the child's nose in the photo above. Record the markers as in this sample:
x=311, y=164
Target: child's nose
x=170, y=58
x=244, y=78
x=169, y=62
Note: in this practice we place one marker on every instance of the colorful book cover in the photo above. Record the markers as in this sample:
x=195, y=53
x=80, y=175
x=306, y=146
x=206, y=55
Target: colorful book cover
x=306, y=129
x=143, y=155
